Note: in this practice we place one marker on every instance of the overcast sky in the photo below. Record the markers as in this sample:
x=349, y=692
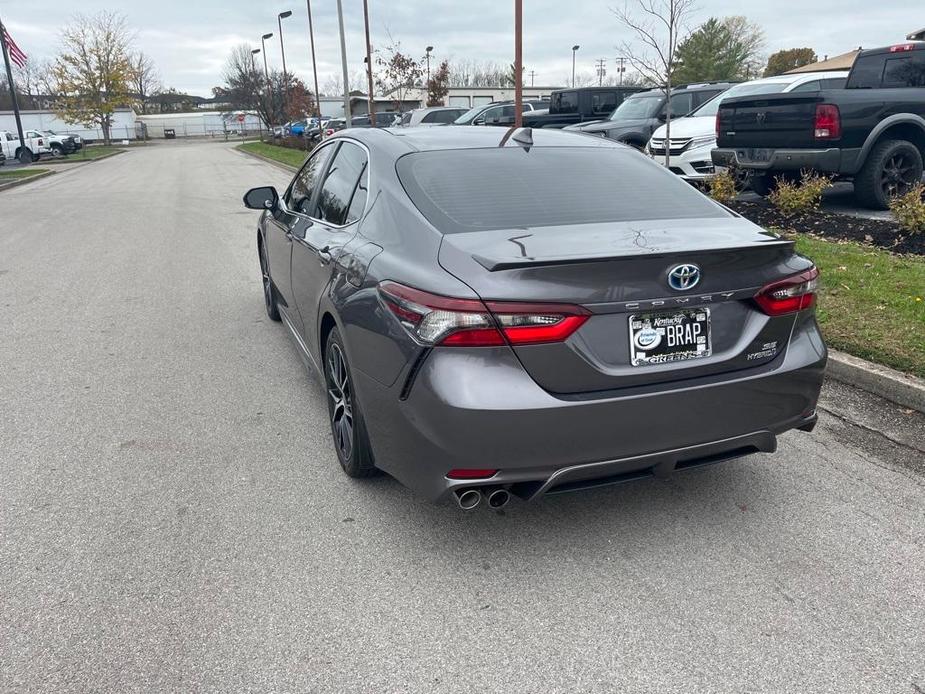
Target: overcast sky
x=190, y=39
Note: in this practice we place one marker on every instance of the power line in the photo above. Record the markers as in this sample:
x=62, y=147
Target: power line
x=601, y=70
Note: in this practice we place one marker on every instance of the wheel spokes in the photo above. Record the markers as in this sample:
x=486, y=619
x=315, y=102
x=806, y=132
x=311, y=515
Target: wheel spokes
x=341, y=404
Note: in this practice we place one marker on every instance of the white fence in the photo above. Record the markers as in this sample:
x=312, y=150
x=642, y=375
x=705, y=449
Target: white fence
x=206, y=124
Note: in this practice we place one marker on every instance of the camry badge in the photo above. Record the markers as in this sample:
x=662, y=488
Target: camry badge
x=683, y=277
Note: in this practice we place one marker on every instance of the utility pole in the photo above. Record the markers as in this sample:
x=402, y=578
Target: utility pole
x=532, y=75
x=518, y=63
x=621, y=69
x=371, y=106
x=343, y=60
x=601, y=71
x=311, y=36
x=9, y=81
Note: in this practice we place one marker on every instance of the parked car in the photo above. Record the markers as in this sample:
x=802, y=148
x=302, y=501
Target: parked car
x=384, y=119
x=297, y=129
x=634, y=121
x=694, y=138
x=593, y=319
x=31, y=150
x=78, y=140
x=872, y=132
x=499, y=113
x=571, y=106
x=59, y=145
x=432, y=115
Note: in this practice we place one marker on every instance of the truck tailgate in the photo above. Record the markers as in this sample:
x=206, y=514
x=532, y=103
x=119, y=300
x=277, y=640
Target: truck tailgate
x=773, y=121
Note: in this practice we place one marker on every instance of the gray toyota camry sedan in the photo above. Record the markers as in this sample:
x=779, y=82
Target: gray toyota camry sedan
x=497, y=313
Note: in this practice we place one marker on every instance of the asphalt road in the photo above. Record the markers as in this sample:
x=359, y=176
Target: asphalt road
x=172, y=516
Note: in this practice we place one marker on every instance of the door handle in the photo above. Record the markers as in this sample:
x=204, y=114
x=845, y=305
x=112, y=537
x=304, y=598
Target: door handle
x=324, y=255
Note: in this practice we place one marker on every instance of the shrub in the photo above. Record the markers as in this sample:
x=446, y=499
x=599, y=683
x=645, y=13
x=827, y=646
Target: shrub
x=722, y=187
x=909, y=209
x=799, y=197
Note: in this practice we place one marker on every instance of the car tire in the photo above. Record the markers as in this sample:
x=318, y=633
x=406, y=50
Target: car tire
x=57, y=150
x=892, y=168
x=269, y=294
x=25, y=155
x=348, y=428
x=762, y=184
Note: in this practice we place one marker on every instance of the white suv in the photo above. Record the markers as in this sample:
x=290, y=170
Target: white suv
x=694, y=136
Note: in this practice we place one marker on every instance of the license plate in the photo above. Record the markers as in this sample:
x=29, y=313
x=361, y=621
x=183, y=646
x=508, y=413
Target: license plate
x=669, y=336
x=762, y=155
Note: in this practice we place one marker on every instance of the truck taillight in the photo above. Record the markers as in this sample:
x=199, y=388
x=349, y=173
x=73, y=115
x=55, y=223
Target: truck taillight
x=902, y=47
x=828, y=122
x=716, y=124
x=793, y=294
x=439, y=320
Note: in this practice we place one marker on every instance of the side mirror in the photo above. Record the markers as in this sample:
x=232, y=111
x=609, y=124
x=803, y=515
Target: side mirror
x=263, y=198
x=663, y=116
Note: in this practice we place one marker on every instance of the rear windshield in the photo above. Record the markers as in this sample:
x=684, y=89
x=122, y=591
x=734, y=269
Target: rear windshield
x=893, y=70
x=746, y=89
x=510, y=188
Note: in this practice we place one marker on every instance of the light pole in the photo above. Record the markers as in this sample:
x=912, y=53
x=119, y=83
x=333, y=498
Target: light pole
x=343, y=59
x=574, y=51
x=427, y=55
x=371, y=103
x=266, y=72
x=255, y=51
x=279, y=20
x=311, y=36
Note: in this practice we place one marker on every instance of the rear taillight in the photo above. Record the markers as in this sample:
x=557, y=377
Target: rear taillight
x=793, y=294
x=828, y=122
x=902, y=47
x=438, y=320
x=716, y=124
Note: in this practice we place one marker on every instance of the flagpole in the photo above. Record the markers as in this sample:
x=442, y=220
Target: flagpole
x=9, y=81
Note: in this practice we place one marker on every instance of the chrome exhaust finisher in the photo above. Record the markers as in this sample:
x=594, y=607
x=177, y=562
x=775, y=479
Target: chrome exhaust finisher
x=497, y=497
x=467, y=499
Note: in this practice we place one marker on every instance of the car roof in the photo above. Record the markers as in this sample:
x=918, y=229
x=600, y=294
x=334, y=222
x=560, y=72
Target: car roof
x=466, y=137
x=802, y=77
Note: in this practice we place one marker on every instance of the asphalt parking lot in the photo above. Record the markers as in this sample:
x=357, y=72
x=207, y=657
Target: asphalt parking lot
x=172, y=516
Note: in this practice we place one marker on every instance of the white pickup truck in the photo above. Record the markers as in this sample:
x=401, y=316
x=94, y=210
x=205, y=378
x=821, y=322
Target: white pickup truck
x=13, y=148
x=59, y=144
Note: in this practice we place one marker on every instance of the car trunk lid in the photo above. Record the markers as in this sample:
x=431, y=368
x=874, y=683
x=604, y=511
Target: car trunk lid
x=768, y=122
x=619, y=272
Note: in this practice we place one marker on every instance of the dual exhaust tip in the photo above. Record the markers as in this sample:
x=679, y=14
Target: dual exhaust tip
x=469, y=498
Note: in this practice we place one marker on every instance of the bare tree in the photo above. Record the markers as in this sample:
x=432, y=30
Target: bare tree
x=658, y=26
x=145, y=79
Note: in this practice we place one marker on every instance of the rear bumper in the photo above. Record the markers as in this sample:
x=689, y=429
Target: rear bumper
x=831, y=160
x=478, y=408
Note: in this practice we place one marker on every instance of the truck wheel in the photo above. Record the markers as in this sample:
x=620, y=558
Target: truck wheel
x=762, y=184
x=891, y=169
x=25, y=156
x=57, y=150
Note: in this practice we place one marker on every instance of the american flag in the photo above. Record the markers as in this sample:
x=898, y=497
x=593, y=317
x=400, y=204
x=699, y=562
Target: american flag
x=16, y=54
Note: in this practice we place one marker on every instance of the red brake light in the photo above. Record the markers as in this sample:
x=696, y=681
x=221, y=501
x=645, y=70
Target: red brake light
x=902, y=47
x=716, y=124
x=828, y=122
x=470, y=474
x=793, y=294
x=450, y=322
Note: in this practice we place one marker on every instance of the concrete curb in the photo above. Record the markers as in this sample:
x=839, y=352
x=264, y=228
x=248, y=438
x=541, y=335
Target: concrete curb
x=22, y=181
x=54, y=162
x=889, y=384
x=277, y=164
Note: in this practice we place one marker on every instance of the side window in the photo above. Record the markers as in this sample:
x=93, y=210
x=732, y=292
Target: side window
x=905, y=71
x=299, y=197
x=358, y=203
x=406, y=119
x=603, y=102
x=867, y=72
x=340, y=182
x=432, y=117
x=568, y=102
x=680, y=104
x=703, y=96
x=813, y=86
x=834, y=83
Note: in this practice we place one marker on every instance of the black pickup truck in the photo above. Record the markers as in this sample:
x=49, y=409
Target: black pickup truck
x=872, y=132
x=570, y=106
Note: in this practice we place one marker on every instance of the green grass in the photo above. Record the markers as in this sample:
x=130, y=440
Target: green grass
x=292, y=157
x=871, y=302
x=93, y=152
x=20, y=173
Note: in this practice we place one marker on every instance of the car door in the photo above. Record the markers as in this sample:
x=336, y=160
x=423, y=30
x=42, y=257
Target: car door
x=289, y=218
x=338, y=206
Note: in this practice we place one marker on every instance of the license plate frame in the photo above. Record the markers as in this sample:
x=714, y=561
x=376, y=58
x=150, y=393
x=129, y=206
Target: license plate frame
x=646, y=350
